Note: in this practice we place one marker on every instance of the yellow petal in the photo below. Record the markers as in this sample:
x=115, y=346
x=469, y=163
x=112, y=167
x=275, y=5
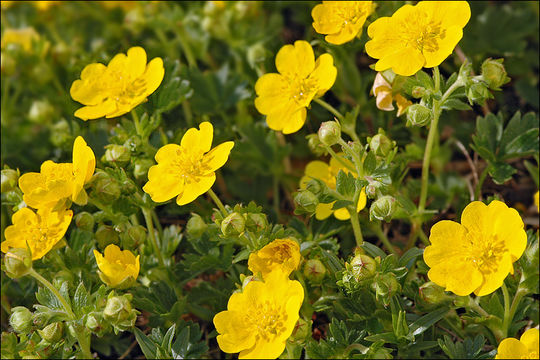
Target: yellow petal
x=506, y=224
x=84, y=161
x=288, y=120
x=475, y=218
x=325, y=19
x=511, y=348
x=136, y=61
x=162, y=184
x=272, y=93
x=322, y=211
x=494, y=280
x=167, y=153
x=198, y=140
x=459, y=277
x=96, y=111
x=347, y=33
x=263, y=349
x=530, y=339
x=384, y=101
x=296, y=60
x=445, y=47
x=406, y=62
x=234, y=335
x=153, y=76
x=342, y=214
x=317, y=169
x=447, y=13
x=194, y=188
x=447, y=234
x=324, y=73
x=218, y=156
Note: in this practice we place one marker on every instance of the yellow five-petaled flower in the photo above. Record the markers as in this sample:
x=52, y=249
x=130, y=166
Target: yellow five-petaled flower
x=280, y=254
x=187, y=170
x=118, y=269
x=524, y=348
x=477, y=254
x=117, y=88
x=58, y=181
x=259, y=320
x=283, y=97
x=417, y=36
x=327, y=173
x=341, y=21
x=41, y=230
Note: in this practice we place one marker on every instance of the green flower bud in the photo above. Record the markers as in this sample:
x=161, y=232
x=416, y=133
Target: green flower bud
x=117, y=154
x=433, y=294
x=105, y=188
x=381, y=145
x=315, y=145
x=301, y=332
x=18, y=262
x=84, y=221
x=61, y=134
x=95, y=323
x=329, y=133
x=418, y=115
x=21, y=320
x=141, y=167
x=371, y=189
x=133, y=237
x=418, y=92
x=256, y=222
x=41, y=111
x=9, y=180
x=106, y=235
x=386, y=286
x=306, y=201
x=119, y=313
x=233, y=225
x=478, y=93
x=383, y=208
x=316, y=186
x=314, y=270
x=52, y=333
x=363, y=267
x=256, y=54
x=195, y=226
x=494, y=73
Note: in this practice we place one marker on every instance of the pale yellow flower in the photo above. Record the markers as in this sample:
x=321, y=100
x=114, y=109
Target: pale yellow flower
x=382, y=90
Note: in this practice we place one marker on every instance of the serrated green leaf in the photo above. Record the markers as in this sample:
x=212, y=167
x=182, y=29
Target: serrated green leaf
x=370, y=162
x=345, y=183
x=425, y=80
x=148, y=347
x=501, y=172
x=80, y=298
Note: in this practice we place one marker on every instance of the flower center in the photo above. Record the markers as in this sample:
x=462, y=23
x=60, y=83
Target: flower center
x=302, y=90
x=349, y=14
x=189, y=165
x=486, y=252
x=422, y=33
x=123, y=89
x=267, y=319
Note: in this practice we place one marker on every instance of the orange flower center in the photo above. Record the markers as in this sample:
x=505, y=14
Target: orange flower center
x=269, y=320
x=421, y=32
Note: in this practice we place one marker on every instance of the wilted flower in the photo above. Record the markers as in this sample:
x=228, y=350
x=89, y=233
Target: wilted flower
x=41, y=230
x=280, y=254
x=118, y=269
x=382, y=90
x=417, y=36
x=187, y=170
x=524, y=348
x=117, y=88
x=58, y=181
x=283, y=97
x=341, y=21
x=327, y=173
x=259, y=320
x=477, y=254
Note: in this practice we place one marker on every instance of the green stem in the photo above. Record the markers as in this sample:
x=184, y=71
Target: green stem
x=83, y=337
x=51, y=287
x=509, y=315
x=338, y=158
x=275, y=195
x=384, y=239
x=158, y=224
x=356, y=225
x=330, y=108
x=478, y=190
x=187, y=50
x=475, y=306
x=363, y=349
x=150, y=228
x=358, y=163
x=187, y=113
x=218, y=202
x=137, y=123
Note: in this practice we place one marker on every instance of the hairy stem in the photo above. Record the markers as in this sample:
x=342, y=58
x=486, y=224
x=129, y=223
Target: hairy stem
x=152, y=235
x=218, y=202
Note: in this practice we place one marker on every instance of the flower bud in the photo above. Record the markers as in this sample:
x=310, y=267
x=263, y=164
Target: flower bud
x=18, y=262
x=95, y=323
x=301, y=332
x=21, y=320
x=316, y=186
x=195, y=226
x=233, y=225
x=494, y=73
x=433, y=294
x=117, y=154
x=106, y=235
x=306, y=201
x=330, y=133
x=256, y=222
x=84, y=221
x=141, y=167
x=119, y=313
x=314, y=270
x=315, y=145
x=247, y=279
x=371, y=189
x=383, y=208
x=418, y=115
x=105, y=188
x=41, y=111
x=478, y=93
x=133, y=237
x=418, y=92
x=386, y=286
x=381, y=145
x=52, y=333
x=256, y=54
x=9, y=180
x=363, y=267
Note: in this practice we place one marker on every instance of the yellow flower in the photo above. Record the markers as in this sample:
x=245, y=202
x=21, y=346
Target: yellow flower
x=44, y=5
x=259, y=320
x=188, y=169
x=524, y=348
x=537, y=201
x=417, y=36
x=41, y=230
x=280, y=254
x=384, y=96
x=117, y=88
x=477, y=254
x=118, y=269
x=340, y=20
x=283, y=97
x=55, y=182
x=24, y=37
x=327, y=173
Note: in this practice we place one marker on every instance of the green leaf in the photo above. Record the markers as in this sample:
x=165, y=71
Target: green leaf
x=332, y=261
x=148, y=347
x=455, y=104
x=370, y=162
x=468, y=349
x=501, y=172
x=46, y=298
x=80, y=299
x=425, y=80
x=345, y=184
x=409, y=257
x=168, y=338
x=373, y=250
x=426, y=321
x=188, y=345
x=520, y=137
